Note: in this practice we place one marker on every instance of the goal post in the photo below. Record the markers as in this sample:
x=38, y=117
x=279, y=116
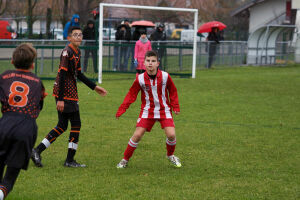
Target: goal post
x=102, y=5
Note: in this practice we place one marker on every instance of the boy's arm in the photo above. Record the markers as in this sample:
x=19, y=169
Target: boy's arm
x=129, y=98
x=91, y=84
x=43, y=96
x=63, y=68
x=173, y=95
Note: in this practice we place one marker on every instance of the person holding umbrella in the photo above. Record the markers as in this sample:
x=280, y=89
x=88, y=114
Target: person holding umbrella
x=214, y=37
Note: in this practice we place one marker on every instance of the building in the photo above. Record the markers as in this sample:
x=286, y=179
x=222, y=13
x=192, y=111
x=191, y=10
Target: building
x=270, y=21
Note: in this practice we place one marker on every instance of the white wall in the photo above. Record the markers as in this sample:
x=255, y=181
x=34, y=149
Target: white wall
x=265, y=12
x=37, y=25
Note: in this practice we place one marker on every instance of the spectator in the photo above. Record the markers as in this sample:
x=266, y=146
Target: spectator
x=159, y=35
x=141, y=47
x=74, y=22
x=135, y=37
x=89, y=34
x=214, y=39
x=121, y=53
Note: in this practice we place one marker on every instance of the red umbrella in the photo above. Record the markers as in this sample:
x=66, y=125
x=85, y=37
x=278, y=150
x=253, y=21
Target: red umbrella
x=142, y=23
x=204, y=28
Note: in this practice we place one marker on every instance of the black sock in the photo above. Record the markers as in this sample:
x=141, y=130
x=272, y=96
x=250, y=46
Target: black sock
x=9, y=179
x=71, y=154
x=40, y=148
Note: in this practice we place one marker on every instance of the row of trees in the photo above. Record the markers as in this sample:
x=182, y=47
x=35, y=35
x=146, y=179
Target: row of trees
x=62, y=10
x=32, y=10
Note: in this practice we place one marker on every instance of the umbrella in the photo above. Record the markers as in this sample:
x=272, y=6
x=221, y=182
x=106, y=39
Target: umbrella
x=209, y=25
x=142, y=23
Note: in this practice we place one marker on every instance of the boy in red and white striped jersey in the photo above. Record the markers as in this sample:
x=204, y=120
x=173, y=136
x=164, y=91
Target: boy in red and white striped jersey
x=159, y=98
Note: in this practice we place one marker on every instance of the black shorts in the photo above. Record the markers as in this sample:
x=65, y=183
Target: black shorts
x=70, y=106
x=17, y=137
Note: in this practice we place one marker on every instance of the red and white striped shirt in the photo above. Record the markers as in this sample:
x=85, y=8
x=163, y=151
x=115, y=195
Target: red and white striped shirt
x=159, y=96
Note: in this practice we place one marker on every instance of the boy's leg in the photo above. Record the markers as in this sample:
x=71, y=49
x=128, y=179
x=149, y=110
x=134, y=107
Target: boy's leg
x=133, y=142
x=171, y=140
x=61, y=126
x=132, y=145
x=169, y=127
x=73, y=140
x=9, y=180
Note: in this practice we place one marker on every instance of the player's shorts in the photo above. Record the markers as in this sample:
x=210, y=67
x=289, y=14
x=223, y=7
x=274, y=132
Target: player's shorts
x=69, y=106
x=17, y=137
x=148, y=123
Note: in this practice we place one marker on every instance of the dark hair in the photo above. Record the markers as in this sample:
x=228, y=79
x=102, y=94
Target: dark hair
x=23, y=56
x=161, y=26
x=151, y=53
x=72, y=28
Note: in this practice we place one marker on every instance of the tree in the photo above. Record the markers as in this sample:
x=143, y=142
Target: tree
x=30, y=19
x=219, y=10
x=17, y=12
x=3, y=6
x=64, y=19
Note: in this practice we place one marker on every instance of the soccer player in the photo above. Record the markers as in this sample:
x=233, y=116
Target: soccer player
x=21, y=96
x=159, y=97
x=66, y=97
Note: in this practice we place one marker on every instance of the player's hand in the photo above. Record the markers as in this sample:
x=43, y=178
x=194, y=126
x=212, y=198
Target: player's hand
x=176, y=112
x=60, y=106
x=100, y=91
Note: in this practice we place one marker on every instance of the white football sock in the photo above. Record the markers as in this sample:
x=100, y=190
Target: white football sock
x=1, y=195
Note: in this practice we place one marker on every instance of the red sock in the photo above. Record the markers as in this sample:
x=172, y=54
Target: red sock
x=170, y=147
x=130, y=149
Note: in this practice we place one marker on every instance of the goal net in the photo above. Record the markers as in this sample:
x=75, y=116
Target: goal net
x=177, y=51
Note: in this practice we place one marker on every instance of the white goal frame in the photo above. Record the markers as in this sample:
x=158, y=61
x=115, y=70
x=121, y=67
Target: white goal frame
x=102, y=5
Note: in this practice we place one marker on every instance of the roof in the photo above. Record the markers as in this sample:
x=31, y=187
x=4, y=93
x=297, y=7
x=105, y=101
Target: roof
x=245, y=7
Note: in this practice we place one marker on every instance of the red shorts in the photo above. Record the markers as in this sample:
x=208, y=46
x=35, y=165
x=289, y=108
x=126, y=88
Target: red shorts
x=148, y=123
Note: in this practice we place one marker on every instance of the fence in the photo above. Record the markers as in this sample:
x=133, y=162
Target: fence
x=176, y=56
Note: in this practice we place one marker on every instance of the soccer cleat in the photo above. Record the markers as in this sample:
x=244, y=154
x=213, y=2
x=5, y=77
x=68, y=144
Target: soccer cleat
x=174, y=160
x=122, y=164
x=73, y=164
x=36, y=158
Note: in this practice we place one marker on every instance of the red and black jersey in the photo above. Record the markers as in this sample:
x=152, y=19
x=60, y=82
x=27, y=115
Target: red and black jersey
x=69, y=63
x=22, y=92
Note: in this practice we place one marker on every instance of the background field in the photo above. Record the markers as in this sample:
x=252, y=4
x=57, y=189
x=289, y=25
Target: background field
x=238, y=137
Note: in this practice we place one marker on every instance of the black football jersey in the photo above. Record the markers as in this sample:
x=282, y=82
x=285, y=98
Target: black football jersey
x=22, y=92
x=69, y=62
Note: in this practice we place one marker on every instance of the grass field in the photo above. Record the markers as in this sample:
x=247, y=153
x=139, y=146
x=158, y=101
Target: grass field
x=238, y=137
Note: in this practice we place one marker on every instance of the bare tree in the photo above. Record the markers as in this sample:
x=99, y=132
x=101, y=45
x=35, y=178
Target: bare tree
x=30, y=20
x=17, y=12
x=3, y=6
x=64, y=19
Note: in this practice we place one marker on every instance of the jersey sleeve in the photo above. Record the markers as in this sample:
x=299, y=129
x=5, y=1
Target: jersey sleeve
x=173, y=94
x=64, y=60
x=85, y=80
x=43, y=96
x=129, y=98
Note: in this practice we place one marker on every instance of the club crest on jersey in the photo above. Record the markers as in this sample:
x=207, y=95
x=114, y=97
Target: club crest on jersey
x=65, y=53
x=146, y=87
